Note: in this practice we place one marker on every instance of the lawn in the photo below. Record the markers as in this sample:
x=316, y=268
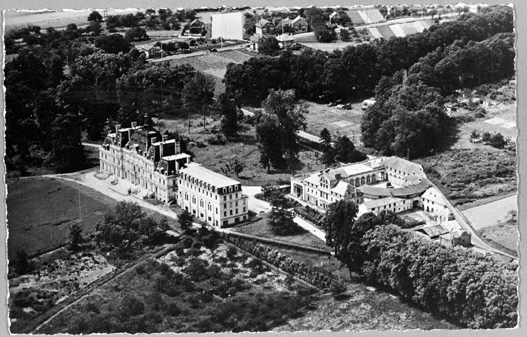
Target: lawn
x=261, y=228
x=338, y=122
x=40, y=210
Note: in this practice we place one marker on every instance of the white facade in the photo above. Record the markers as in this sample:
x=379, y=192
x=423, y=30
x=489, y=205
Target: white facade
x=228, y=26
x=134, y=154
x=211, y=197
x=434, y=202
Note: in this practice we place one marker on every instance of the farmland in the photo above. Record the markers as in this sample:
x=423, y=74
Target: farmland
x=214, y=64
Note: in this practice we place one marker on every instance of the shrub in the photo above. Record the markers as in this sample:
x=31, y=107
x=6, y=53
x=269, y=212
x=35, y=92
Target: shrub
x=173, y=310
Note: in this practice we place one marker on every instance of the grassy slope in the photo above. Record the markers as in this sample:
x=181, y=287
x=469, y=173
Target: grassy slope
x=41, y=209
x=260, y=228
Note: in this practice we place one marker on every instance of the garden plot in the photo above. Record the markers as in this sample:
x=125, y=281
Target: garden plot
x=342, y=124
x=53, y=281
x=243, y=266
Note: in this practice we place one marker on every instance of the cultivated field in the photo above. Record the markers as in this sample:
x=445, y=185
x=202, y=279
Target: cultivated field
x=196, y=290
x=214, y=64
x=40, y=211
x=56, y=19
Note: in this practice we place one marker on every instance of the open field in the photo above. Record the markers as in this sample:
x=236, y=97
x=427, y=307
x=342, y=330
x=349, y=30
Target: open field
x=466, y=175
x=338, y=122
x=214, y=64
x=56, y=19
x=503, y=236
x=198, y=291
x=492, y=213
x=40, y=211
x=260, y=228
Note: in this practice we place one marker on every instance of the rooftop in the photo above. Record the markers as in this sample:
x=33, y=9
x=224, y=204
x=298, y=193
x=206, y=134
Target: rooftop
x=210, y=177
x=382, y=202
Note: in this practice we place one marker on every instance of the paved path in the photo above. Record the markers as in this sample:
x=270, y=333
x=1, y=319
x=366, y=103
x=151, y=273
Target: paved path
x=256, y=205
x=310, y=228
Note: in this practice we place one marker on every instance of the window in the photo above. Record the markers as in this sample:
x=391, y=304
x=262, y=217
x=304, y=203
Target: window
x=236, y=211
x=224, y=198
x=225, y=213
x=244, y=210
x=231, y=212
x=230, y=196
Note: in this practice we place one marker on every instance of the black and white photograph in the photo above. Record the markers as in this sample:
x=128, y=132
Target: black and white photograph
x=191, y=167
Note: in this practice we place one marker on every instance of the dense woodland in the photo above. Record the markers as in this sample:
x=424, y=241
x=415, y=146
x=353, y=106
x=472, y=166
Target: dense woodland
x=470, y=289
x=106, y=82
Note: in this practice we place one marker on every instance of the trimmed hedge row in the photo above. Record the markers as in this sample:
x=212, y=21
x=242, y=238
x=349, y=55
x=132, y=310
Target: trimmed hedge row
x=304, y=272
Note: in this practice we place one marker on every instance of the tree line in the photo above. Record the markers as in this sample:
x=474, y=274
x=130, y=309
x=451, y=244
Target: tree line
x=471, y=289
x=68, y=85
x=355, y=71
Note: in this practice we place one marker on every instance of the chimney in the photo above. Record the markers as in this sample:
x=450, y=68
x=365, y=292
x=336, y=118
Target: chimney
x=117, y=128
x=165, y=138
x=134, y=125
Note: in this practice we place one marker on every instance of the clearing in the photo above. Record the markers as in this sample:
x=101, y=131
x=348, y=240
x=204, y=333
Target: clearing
x=338, y=122
x=214, y=64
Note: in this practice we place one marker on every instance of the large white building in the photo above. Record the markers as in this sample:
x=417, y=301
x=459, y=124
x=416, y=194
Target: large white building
x=144, y=158
x=366, y=183
x=211, y=197
x=228, y=26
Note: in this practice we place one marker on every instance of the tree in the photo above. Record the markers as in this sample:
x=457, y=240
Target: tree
x=345, y=151
x=281, y=222
x=324, y=34
x=197, y=94
x=95, y=28
x=338, y=223
x=268, y=45
x=136, y=34
x=268, y=134
x=328, y=156
x=345, y=35
x=67, y=152
x=23, y=264
x=229, y=111
x=95, y=16
x=185, y=220
x=286, y=116
x=127, y=227
x=234, y=165
x=114, y=43
x=75, y=237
